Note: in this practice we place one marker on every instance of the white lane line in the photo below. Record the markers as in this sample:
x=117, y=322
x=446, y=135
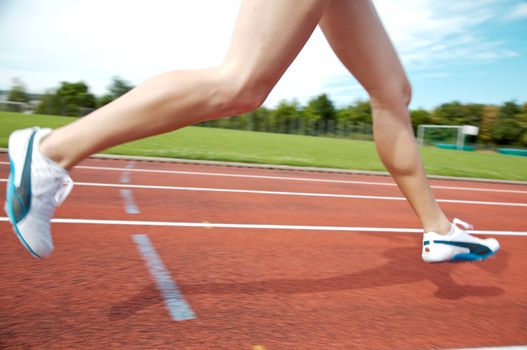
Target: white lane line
x=265, y=226
x=176, y=304
x=373, y=183
x=129, y=203
x=281, y=193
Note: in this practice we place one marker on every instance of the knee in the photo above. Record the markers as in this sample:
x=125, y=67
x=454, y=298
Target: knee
x=393, y=94
x=406, y=93
x=240, y=91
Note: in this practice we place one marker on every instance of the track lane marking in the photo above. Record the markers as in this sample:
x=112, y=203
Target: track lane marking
x=125, y=177
x=267, y=177
x=129, y=204
x=285, y=193
x=176, y=304
x=264, y=226
x=282, y=193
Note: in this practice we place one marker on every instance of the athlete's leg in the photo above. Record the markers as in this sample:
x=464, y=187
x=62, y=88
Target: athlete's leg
x=267, y=37
x=358, y=38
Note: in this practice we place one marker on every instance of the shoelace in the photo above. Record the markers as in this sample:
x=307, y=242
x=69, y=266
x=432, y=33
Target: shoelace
x=458, y=223
x=66, y=184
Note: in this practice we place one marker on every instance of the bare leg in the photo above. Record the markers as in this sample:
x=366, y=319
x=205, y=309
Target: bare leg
x=357, y=36
x=267, y=37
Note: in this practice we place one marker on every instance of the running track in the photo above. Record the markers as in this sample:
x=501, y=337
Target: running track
x=259, y=287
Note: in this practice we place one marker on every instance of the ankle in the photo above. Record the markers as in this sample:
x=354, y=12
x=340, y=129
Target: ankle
x=50, y=151
x=443, y=227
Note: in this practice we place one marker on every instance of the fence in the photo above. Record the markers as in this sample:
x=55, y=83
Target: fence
x=296, y=126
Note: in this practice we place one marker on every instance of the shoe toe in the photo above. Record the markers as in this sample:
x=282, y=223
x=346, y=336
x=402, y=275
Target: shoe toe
x=40, y=246
x=493, y=244
x=36, y=237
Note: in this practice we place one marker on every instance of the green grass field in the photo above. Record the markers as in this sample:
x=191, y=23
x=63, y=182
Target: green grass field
x=256, y=147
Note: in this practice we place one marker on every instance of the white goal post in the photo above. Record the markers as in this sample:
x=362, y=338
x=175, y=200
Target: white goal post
x=462, y=130
x=11, y=106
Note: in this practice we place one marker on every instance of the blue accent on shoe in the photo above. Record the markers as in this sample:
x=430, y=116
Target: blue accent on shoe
x=426, y=242
x=23, y=192
x=11, y=190
x=472, y=257
x=475, y=248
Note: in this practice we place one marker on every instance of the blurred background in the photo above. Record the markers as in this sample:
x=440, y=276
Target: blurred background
x=467, y=63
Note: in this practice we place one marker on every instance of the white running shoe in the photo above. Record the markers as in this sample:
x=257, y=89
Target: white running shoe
x=458, y=245
x=36, y=186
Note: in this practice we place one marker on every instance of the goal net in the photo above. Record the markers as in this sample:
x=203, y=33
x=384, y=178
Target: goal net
x=453, y=135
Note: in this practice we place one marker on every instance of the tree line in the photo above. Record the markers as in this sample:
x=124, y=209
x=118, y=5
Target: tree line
x=504, y=124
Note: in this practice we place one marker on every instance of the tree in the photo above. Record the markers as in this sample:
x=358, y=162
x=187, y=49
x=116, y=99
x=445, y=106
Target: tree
x=116, y=89
x=419, y=117
x=321, y=111
x=18, y=92
x=451, y=113
x=473, y=114
x=488, y=119
x=287, y=115
x=361, y=112
x=507, y=129
x=259, y=118
x=522, y=121
x=71, y=99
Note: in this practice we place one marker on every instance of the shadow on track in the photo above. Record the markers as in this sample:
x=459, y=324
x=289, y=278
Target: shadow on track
x=148, y=296
x=402, y=268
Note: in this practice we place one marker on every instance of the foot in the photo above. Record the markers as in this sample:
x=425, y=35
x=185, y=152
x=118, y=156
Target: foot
x=458, y=245
x=36, y=186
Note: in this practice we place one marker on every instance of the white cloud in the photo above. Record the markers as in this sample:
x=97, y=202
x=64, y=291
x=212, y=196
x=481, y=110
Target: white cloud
x=44, y=42
x=518, y=12
x=426, y=32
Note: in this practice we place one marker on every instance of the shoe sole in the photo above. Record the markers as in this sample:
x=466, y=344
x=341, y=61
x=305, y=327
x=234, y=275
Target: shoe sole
x=10, y=211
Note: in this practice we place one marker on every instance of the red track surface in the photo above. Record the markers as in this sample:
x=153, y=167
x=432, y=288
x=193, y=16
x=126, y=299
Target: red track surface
x=280, y=289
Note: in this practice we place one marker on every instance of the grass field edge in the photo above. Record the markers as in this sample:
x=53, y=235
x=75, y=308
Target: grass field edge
x=285, y=167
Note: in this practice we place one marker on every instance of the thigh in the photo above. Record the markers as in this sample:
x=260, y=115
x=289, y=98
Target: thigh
x=269, y=34
x=357, y=36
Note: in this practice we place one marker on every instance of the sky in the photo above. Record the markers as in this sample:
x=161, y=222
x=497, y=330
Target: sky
x=463, y=50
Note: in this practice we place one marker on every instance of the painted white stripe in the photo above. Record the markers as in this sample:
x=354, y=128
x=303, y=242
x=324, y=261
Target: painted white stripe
x=282, y=193
x=373, y=183
x=176, y=304
x=265, y=226
x=129, y=203
x=125, y=177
